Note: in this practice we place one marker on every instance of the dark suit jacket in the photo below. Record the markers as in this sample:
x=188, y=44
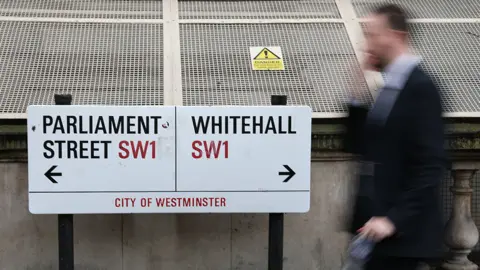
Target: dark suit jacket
x=407, y=151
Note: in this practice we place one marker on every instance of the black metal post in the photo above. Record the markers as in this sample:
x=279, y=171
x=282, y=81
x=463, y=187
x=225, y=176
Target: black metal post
x=275, y=220
x=65, y=221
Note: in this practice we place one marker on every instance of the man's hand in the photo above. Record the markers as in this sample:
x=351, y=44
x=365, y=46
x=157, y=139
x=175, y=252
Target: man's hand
x=378, y=228
x=367, y=65
x=370, y=62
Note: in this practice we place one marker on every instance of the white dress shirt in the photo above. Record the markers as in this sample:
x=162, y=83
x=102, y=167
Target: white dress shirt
x=396, y=76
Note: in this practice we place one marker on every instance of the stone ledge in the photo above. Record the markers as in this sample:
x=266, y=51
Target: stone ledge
x=459, y=137
x=463, y=139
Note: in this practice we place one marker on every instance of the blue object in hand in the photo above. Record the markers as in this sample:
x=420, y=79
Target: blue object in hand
x=358, y=253
x=361, y=247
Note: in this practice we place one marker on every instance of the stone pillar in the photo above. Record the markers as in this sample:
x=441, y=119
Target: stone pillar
x=461, y=233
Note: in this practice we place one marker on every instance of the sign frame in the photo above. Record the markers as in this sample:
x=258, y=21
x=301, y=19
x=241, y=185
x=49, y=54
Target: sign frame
x=253, y=199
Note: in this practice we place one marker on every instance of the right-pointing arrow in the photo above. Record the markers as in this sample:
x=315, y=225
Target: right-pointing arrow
x=290, y=173
x=49, y=174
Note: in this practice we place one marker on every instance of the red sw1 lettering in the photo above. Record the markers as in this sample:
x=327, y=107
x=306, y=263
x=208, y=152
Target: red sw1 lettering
x=137, y=149
x=209, y=149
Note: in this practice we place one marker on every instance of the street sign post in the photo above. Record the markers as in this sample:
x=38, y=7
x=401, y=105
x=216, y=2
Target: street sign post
x=132, y=159
x=66, y=253
x=276, y=220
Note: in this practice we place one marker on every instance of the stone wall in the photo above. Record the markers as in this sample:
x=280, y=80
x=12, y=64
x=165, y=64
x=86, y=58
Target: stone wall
x=192, y=241
x=176, y=242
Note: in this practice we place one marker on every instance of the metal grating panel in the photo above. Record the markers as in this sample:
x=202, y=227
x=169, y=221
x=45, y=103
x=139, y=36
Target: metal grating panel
x=111, y=64
x=446, y=198
x=133, y=9
x=451, y=55
x=426, y=8
x=319, y=65
x=274, y=9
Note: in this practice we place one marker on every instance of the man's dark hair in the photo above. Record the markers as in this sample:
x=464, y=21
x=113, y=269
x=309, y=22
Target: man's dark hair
x=396, y=16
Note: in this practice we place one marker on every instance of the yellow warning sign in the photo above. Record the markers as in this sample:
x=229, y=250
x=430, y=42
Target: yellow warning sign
x=267, y=58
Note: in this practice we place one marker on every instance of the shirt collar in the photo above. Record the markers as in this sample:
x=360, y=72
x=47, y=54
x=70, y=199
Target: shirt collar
x=397, y=72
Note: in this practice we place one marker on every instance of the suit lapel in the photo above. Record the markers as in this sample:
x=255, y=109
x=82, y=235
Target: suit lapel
x=387, y=98
x=382, y=107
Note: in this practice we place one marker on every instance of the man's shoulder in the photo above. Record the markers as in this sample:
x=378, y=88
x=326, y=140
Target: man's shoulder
x=419, y=75
x=421, y=82
x=421, y=92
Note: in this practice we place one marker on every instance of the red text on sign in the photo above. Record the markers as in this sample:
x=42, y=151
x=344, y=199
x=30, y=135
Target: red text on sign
x=137, y=149
x=209, y=149
x=171, y=202
x=191, y=202
x=125, y=202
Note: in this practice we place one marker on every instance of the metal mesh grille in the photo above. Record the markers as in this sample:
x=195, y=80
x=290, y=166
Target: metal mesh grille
x=447, y=198
x=134, y=9
x=452, y=56
x=319, y=65
x=425, y=8
x=111, y=64
x=120, y=63
x=284, y=9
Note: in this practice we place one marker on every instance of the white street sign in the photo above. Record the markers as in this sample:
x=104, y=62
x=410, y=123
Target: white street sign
x=132, y=159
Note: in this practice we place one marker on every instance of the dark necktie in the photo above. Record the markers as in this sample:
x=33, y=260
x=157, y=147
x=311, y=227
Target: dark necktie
x=383, y=105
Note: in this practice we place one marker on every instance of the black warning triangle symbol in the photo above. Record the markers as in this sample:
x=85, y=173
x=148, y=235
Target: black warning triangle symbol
x=266, y=54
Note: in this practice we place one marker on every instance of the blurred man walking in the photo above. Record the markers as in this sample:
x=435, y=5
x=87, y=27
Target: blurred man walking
x=400, y=140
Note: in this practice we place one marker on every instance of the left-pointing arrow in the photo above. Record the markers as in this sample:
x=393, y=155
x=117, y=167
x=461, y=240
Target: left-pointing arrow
x=49, y=174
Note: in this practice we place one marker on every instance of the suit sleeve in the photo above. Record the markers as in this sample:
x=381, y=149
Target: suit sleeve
x=354, y=136
x=425, y=158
